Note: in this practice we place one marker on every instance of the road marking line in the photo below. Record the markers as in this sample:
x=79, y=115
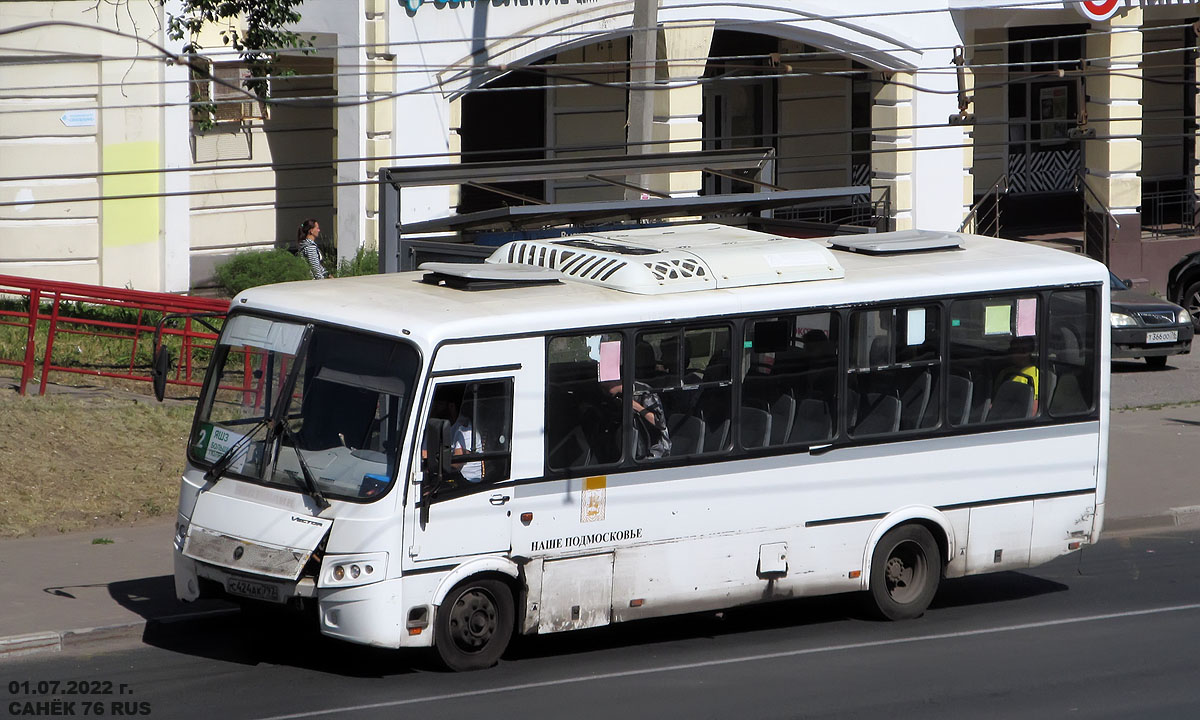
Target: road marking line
x=733, y=661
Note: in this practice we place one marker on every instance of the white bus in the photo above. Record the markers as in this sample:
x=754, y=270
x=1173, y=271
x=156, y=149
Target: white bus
x=599, y=428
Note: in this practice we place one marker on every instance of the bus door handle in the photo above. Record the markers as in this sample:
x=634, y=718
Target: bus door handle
x=499, y=499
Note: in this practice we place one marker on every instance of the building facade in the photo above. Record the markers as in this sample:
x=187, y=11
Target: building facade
x=1075, y=121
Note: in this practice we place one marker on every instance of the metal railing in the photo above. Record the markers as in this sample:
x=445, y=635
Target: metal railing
x=38, y=310
x=867, y=211
x=984, y=216
x=1169, y=212
x=1098, y=221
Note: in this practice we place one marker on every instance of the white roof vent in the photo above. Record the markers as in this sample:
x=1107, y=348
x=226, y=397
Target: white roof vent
x=899, y=242
x=654, y=261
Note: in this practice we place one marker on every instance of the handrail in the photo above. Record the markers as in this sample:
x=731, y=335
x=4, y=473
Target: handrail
x=993, y=194
x=1096, y=232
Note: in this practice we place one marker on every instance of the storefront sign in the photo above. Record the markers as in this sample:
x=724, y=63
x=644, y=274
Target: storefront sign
x=1099, y=10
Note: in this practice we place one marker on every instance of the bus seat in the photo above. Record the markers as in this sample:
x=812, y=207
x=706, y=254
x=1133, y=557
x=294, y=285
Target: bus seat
x=1068, y=398
x=879, y=351
x=882, y=415
x=812, y=422
x=755, y=427
x=645, y=364
x=687, y=434
x=571, y=451
x=914, y=401
x=1013, y=401
x=715, y=437
x=958, y=410
x=783, y=415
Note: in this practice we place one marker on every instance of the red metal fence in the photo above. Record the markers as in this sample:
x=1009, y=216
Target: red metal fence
x=43, y=305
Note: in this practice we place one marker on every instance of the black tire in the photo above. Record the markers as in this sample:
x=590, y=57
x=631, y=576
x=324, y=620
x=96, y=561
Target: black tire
x=474, y=624
x=1157, y=361
x=906, y=568
x=1190, y=300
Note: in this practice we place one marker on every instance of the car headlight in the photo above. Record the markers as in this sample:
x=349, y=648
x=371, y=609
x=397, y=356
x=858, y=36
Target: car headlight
x=1184, y=316
x=350, y=570
x=1120, y=319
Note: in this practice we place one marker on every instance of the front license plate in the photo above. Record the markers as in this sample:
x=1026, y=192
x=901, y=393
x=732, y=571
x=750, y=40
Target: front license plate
x=1162, y=337
x=254, y=590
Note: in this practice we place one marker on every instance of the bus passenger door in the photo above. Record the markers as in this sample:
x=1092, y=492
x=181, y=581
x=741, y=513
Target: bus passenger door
x=465, y=480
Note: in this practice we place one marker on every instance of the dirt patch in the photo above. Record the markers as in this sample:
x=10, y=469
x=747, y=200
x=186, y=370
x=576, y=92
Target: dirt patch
x=79, y=460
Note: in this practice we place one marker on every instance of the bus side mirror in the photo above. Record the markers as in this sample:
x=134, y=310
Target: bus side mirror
x=159, y=370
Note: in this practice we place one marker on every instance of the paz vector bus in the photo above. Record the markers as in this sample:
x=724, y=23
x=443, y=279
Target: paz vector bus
x=630, y=424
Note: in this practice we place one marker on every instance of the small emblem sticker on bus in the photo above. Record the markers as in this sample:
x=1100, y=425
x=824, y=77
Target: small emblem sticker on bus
x=592, y=502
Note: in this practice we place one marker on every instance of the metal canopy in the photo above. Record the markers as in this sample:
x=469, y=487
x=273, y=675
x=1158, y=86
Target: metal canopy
x=592, y=213
x=573, y=167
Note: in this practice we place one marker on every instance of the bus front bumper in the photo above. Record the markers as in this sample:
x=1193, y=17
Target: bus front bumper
x=369, y=614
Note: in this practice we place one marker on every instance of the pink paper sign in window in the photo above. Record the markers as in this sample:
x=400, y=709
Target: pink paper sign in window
x=1026, y=317
x=610, y=361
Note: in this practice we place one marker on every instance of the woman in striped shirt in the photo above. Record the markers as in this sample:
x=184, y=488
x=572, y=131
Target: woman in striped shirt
x=306, y=240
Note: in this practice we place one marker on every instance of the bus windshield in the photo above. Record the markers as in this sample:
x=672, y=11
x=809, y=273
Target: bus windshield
x=344, y=415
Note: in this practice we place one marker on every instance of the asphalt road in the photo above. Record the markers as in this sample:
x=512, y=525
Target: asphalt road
x=1135, y=384
x=1110, y=633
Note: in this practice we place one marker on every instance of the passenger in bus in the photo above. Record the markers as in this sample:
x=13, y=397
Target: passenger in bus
x=1022, y=367
x=462, y=435
x=463, y=440
x=650, y=420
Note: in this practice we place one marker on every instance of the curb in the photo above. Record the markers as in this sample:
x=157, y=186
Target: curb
x=57, y=641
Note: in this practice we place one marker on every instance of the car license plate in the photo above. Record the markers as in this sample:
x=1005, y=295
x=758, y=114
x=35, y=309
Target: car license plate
x=1162, y=337
x=254, y=590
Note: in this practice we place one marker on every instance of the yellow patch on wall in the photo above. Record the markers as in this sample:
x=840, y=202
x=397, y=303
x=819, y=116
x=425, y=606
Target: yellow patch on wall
x=130, y=222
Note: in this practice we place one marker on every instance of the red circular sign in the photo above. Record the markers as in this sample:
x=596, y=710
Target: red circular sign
x=1098, y=9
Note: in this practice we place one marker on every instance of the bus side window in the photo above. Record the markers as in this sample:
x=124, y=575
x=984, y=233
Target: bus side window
x=583, y=413
x=474, y=421
x=789, y=380
x=1071, y=346
x=688, y=374
x=894, y=369
x=995, y=351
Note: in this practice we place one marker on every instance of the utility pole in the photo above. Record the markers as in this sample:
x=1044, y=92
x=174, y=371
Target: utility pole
x=643, y=58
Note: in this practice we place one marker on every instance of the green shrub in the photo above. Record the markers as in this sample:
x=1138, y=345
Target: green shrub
x=261, y=267
x=365, y=262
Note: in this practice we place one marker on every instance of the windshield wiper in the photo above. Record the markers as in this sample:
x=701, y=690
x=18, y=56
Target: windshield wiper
x=235, y=451
x=309, y=481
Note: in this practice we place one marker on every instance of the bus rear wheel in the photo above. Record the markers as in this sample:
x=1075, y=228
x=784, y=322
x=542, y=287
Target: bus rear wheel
x=906, y=568
x=474, y=624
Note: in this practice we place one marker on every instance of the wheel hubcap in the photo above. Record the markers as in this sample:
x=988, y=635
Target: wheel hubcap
x=1193, y=307
x=905, y=571
x=473, y=620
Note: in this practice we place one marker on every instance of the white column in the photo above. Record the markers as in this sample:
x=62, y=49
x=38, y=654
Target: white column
x=891, y=149
x=176, y=155
x=677, y=110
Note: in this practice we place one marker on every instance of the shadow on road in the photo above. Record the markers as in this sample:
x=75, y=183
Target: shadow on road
x=290, y=637
x=1139, y=366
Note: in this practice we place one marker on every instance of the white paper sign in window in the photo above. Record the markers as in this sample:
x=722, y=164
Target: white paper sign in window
x=916, y=326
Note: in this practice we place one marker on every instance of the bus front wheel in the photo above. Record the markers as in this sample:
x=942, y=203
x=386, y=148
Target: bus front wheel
x=474, y=624
x=905, y=570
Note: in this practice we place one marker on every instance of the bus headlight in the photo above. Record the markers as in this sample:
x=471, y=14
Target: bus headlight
x=1184, y=316
x=350, y=570
x=1120, y=319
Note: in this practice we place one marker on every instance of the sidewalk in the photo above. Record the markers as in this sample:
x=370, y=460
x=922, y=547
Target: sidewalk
x=63, y=590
